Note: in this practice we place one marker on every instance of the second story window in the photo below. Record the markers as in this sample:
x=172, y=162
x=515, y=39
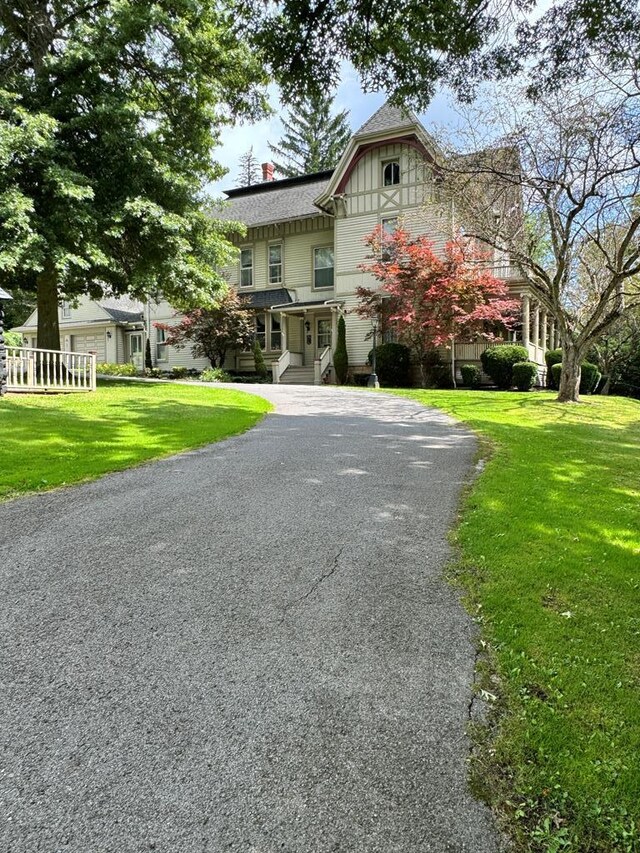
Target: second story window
x=161, y=347
x=246, y=267
x=66, y=310
x=390, y=225
x=275, y=264
x=323, y=267
x=391, y=173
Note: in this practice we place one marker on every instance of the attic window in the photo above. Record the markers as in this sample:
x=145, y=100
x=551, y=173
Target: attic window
x=391, y=173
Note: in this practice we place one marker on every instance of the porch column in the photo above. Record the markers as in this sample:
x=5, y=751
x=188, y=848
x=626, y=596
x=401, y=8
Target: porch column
x=536, y=325
x=544, y=330
x=526, y=308
x=334, y=329
x=283, y=331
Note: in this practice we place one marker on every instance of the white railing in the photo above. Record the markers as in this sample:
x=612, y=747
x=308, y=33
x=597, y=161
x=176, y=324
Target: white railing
x=321, y=365
x=35, y=370
x=287, y=359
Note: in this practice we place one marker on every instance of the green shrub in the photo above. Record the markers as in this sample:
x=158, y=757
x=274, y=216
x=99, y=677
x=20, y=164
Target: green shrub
x=12, y=339
x=261, y=367
x=215, y=374
x=179, y=372
x=524, y=375
x=589, y=377
x=551, y=357
x=108, y=369
x=393, y=365
x=148, y=362
x=154, y=373
x=471, y=375
x=498, y=361
x=441, y=376
x=340, y=356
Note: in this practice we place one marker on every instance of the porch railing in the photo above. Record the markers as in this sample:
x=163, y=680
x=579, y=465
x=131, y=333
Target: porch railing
x=321, y=365
x=287, y=359
x=39, y=370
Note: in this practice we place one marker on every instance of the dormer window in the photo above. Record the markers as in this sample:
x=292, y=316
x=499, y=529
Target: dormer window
x=391, y=173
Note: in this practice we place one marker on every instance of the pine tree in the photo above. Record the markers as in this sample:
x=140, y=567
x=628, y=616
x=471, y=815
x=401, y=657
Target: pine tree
x=314, y=139
x=249, y=169
x=340, y=356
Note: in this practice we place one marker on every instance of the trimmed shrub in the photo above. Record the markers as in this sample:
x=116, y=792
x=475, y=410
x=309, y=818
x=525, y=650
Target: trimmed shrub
x=215, y=374
x=589, y=377
x=441, y=375
x=109, y=369
x=498, y=361
x=258, y=360
x=340, y=356
x=179, y=372
x=471, y=375
x=148, y=363
x=551, y=357
x=524, y=375
x=393, y=365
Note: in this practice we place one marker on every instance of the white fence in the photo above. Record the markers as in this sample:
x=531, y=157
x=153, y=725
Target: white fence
x=33, y=370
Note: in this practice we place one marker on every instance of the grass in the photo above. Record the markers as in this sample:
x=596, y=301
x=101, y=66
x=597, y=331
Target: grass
x=56, y=440
x=550, y=557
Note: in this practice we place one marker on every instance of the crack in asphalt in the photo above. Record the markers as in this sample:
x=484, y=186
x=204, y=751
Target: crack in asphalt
x=314, y=586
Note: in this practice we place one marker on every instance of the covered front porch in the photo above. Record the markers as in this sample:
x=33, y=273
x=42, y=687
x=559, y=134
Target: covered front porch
x=309, y=333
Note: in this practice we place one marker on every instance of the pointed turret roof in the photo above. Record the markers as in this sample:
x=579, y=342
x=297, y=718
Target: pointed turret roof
x=388, y=117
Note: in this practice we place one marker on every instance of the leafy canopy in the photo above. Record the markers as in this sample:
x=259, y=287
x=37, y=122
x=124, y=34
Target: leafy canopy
x=108, y=115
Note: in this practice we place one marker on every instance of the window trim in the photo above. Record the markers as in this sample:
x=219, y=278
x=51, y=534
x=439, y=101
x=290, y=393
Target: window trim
x=65, y=310
x=385, y=164
x=323, y=320
x=314, y=249
x=275, y=244
x=248, y=248
x=161, y=344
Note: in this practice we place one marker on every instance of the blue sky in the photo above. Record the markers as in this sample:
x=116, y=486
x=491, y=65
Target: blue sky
x=237, y=140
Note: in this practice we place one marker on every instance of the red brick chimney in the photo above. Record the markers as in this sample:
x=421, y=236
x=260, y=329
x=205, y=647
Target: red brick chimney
x=267, y=171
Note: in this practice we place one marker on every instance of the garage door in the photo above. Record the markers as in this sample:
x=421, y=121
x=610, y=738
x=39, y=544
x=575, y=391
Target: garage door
x=89, y=343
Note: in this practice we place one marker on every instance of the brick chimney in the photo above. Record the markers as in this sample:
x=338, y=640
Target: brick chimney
x=267, y=171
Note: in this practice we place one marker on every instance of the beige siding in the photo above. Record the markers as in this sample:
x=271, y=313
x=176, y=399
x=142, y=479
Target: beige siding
x=88, y=339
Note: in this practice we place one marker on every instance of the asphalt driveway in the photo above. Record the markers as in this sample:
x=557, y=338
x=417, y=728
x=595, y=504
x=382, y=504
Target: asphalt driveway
x=245, y=648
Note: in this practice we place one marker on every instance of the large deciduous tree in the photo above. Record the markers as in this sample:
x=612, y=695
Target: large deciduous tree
x=213, y=331
x=313, y=140
x=556, y=186
x=432, y=299
x=407, y=47
x=108, y=114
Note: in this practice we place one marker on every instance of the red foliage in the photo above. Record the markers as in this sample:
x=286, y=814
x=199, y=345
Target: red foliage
x=431, y=299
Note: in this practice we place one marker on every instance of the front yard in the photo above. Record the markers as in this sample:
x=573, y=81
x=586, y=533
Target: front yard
x=55, y=440
x=550, y=558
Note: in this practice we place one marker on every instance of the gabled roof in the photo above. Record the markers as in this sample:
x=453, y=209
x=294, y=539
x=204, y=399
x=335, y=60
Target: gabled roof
x=123, y=316
x=388, y=117
x=276, y=201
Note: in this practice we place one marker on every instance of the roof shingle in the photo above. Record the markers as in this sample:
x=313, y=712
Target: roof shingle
x=279, y=202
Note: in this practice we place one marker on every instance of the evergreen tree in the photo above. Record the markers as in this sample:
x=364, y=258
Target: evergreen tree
x=314, y=139
x=340, y=356
x=249, y=169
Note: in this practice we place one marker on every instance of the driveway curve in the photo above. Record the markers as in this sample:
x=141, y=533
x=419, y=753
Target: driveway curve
x=249, y=647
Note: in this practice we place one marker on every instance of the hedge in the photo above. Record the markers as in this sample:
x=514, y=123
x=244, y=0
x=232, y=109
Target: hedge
x=498, y=362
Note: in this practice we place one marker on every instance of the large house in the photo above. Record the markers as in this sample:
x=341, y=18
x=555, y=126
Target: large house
x=299, y=263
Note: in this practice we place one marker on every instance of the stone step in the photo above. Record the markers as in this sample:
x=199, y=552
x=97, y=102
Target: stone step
x=298, y=376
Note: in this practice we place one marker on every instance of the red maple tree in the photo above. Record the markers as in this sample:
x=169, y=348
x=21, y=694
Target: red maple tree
x=434, y=299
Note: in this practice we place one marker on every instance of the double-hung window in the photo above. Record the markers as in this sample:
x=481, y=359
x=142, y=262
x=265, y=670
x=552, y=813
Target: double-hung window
x=261, y=330
x=323, y=267
x=276, y=333
x=389, y=225
x=246, y=267
x=66, y=310
x=161, y=346
x=275, y=263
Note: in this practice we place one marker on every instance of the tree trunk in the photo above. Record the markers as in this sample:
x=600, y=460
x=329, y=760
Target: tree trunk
x=570, y=376
x=453, y=362
x=48, y=327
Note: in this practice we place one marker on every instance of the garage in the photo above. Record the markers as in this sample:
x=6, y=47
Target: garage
x=89, y=343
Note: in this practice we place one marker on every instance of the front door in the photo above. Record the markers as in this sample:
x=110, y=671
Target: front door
x=135, y=349
x=323, y=334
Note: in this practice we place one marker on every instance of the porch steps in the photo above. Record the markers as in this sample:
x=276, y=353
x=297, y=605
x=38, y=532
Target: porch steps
x=298, y=376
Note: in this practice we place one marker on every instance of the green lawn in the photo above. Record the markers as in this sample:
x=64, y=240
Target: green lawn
x=55, y=440
x=550, y=556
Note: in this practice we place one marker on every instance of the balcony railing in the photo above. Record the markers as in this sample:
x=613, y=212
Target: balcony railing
x=40, y=370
